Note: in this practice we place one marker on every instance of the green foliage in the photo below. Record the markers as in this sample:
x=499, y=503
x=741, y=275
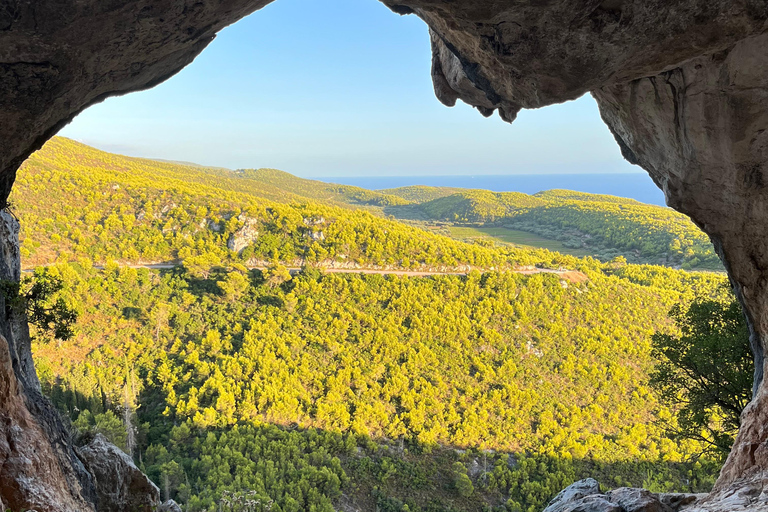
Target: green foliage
x=106, y=424
x=338, y=360
x=420, y=193
x=479, y=205
x=39, y=298
x=320, y=191
x=705, y=370
x=605, y=226
x=461, y=480
x=255, y=388
x=84, y=204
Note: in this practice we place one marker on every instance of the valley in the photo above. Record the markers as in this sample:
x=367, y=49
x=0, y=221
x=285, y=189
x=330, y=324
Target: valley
x=252, y=336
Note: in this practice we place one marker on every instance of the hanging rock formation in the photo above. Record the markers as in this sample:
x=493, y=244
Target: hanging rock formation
x=682, y=84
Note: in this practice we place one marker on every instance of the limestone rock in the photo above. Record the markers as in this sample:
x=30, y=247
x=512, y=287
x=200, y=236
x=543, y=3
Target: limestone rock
x=636, y=500
x=573, y=493
x=585, y=496
x=38, y=467
x=30, y=473
x=120, y=486
x=520, y=54
x=701, y=131
x=317, y=236
x=169, y=506
x=244, y=236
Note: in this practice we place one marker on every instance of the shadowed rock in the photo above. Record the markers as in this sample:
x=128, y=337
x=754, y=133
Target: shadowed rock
x=120, y=485
x=585, y=496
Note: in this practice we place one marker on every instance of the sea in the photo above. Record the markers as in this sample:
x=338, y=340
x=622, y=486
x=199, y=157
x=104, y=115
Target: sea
x=636, y=186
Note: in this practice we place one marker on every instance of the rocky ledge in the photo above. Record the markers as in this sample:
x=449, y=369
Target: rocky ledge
x=585, y=496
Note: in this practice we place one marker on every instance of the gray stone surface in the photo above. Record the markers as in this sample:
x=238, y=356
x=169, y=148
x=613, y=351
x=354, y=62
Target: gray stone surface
x=585, y=496
x=245, y=236
x=573, y=494
x=120, y=485
x=169, y=506
x=636, y=500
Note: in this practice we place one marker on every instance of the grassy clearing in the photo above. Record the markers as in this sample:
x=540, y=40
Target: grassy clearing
x=513, y=236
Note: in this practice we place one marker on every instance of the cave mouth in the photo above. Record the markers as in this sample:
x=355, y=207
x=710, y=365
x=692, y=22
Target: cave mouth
x=681, y=85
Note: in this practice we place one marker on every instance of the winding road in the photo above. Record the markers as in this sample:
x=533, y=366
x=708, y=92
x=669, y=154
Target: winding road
x=571, y=275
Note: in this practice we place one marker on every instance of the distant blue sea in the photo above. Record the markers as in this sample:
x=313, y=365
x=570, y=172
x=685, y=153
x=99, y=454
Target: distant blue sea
x=635, y=185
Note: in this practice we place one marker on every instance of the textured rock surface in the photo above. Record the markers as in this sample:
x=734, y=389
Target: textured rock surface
x=701, y=131
x=573, y=493
x=681, y=83
x=244, y=236
x=528, y=54
x=585, y=496
x=120, y=486
x=38, y=468
x=169, y=506
x=30, y=474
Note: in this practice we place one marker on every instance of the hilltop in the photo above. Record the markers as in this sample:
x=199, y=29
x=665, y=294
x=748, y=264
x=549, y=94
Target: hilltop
x=584, y=224
x=110, y=207
x=79, y=202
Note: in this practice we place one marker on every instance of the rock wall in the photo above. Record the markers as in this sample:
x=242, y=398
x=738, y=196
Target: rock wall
x=701, y=132
x=39, y=469
x=681, y=84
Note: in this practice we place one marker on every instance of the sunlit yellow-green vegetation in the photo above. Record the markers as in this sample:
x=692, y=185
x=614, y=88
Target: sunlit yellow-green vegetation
x=479, y=205
x=420, y=193
x=486, y=391
x=318, y=190
x=603, y=226
x=512, y=236
x=77, y=202
x=324, y=388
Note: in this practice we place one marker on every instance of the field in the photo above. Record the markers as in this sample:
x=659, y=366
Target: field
x=513, y=236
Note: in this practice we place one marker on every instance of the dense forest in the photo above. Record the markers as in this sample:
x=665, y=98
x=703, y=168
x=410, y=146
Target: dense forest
x=81, y=202
x=231, y=385
x=334, y=387
x=605, y=226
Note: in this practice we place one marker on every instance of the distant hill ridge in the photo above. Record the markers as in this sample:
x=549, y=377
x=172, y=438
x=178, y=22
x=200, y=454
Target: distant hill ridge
x=78, y=203
x=117, y=194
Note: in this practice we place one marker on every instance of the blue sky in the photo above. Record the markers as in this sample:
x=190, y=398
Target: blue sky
x=337, y=88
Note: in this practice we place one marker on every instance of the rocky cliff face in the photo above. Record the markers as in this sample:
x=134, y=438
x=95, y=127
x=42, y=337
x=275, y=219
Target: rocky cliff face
x=681, y=84
x=39, y=469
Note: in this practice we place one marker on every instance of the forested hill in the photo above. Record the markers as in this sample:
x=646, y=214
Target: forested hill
x=600, y=225
x=234, y=387
x=76, y=202
x=486, y=392
x=320, y=191
x=81, y=202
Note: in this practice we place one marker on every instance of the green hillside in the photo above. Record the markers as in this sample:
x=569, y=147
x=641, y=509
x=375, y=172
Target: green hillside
x=81, y=202
x=600, y=225
x=229, y=386
x=76, y=202
x=443, y=393
x=420, y=193
x=479, y=205
x=559, y=194
x=321, y=191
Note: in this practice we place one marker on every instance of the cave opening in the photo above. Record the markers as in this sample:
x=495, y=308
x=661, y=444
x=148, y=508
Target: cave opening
x=683, y=96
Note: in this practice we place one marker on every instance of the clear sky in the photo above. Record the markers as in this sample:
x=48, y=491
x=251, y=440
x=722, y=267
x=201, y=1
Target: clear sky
x=337, y=88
